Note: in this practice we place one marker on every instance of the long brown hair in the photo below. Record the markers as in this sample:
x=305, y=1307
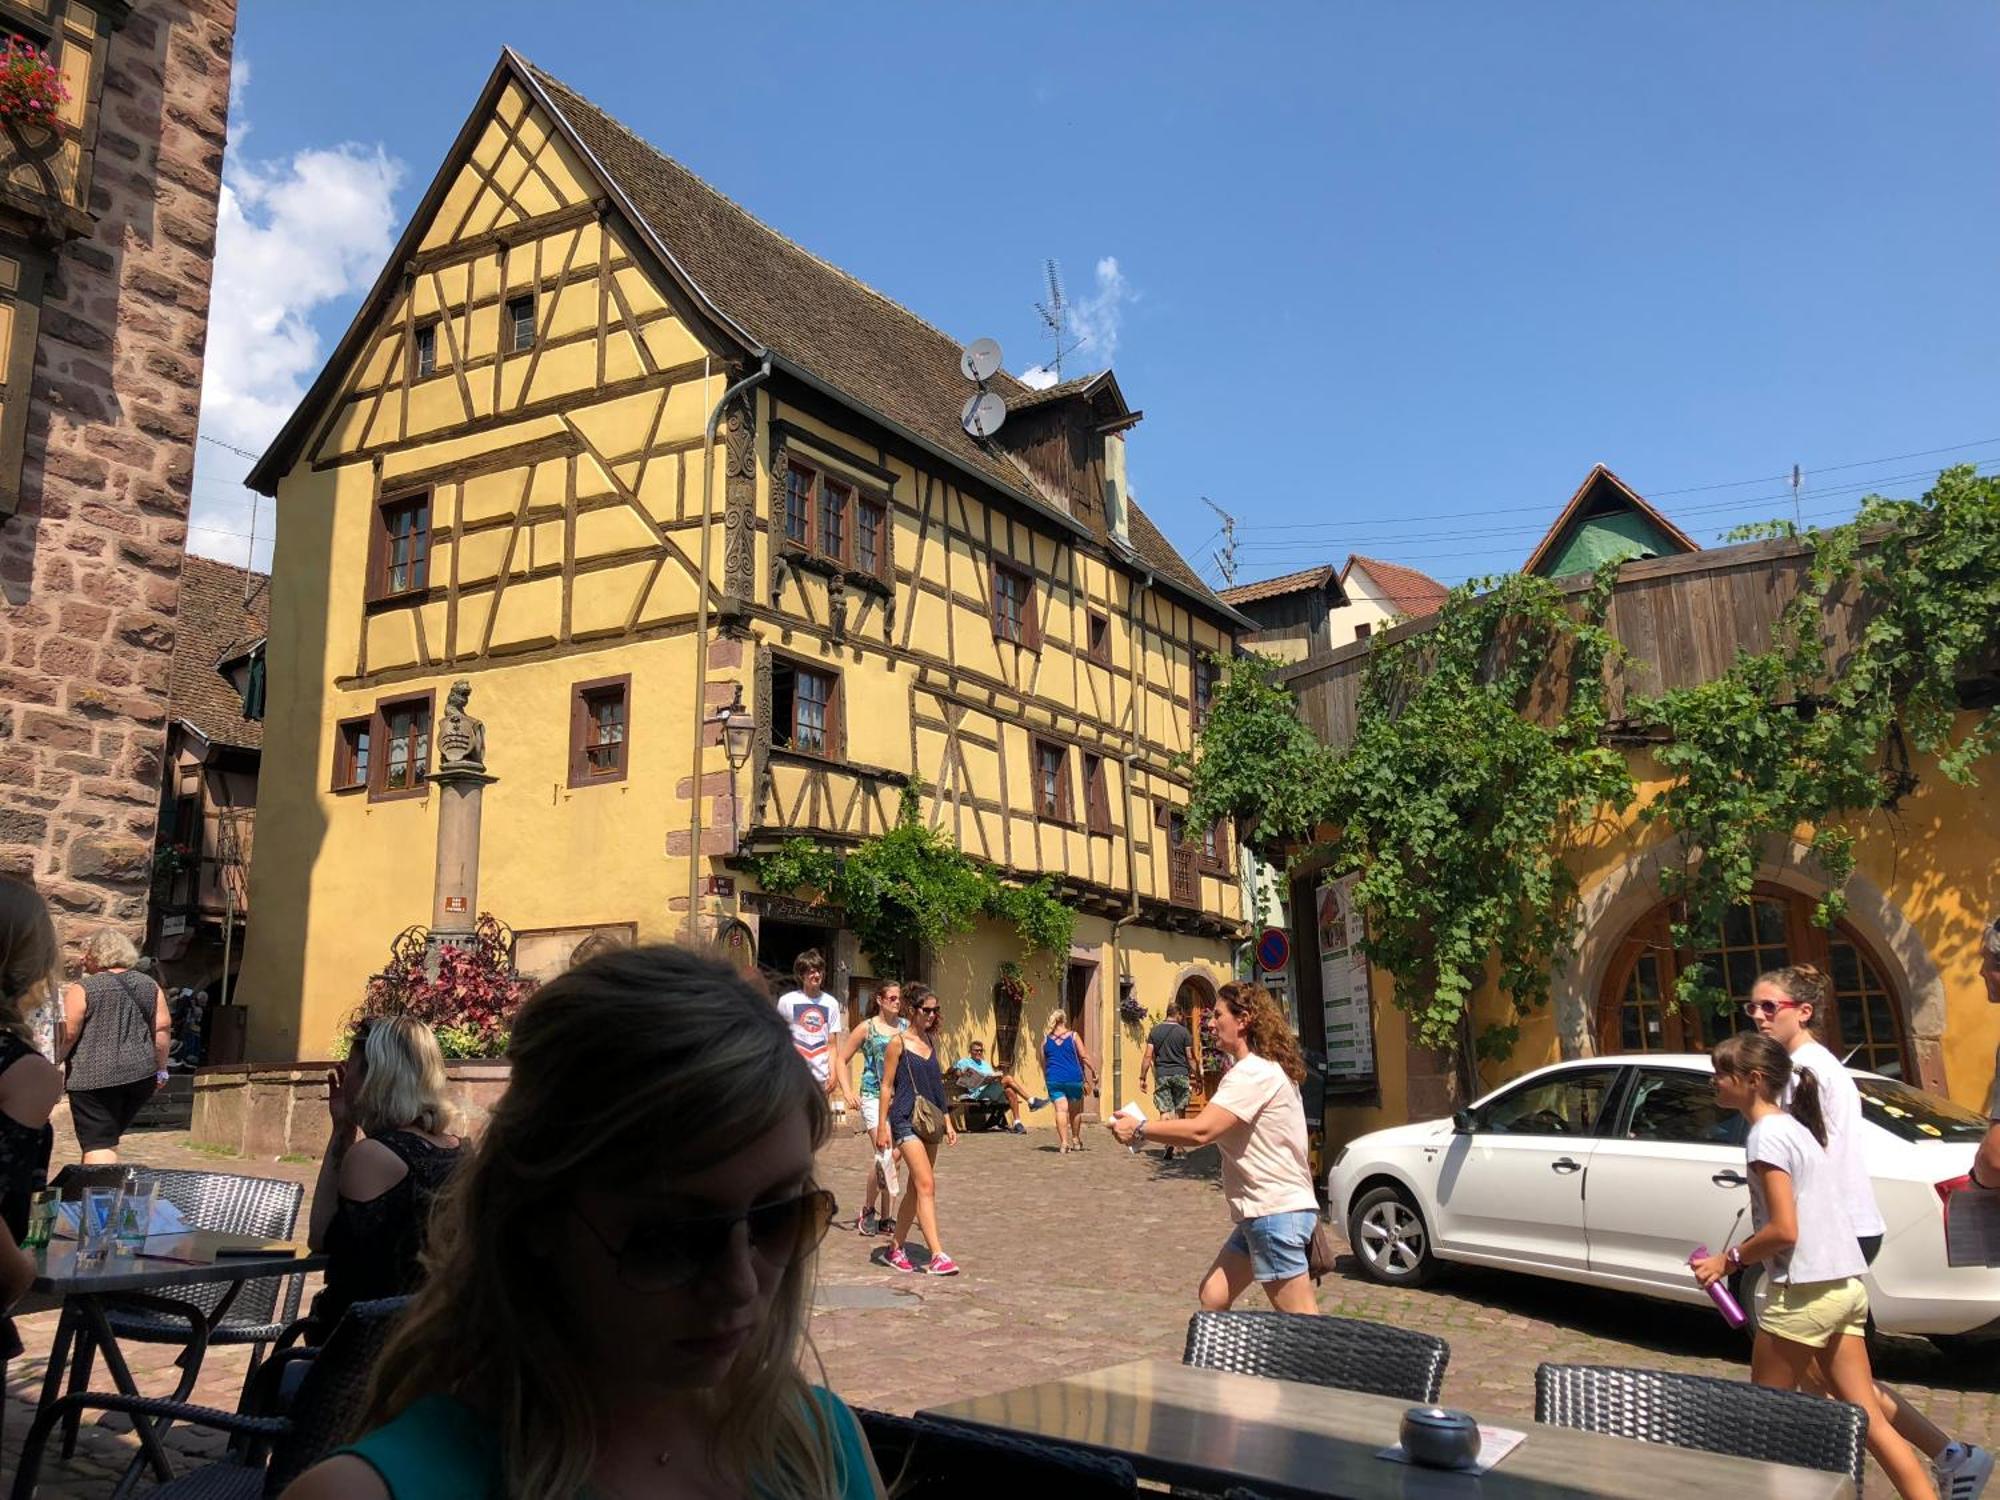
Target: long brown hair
x=635, y=1051
x=1264, y=1026
x=30, y=957
x=1750, y=1053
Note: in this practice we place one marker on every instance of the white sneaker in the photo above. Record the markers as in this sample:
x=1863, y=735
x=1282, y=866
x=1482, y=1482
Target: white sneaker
x=1964, y=1477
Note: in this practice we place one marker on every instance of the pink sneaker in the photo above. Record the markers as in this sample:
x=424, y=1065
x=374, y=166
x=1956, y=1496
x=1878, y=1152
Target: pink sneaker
x=942, y=1265
x=899, y=1260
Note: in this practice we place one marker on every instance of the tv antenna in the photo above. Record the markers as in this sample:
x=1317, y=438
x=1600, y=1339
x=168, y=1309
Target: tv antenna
x=1225, y=555
x=1055, y=318
x=984, y=411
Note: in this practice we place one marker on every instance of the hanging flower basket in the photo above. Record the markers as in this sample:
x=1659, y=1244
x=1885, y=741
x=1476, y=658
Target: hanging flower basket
x=31, y=88
x=1131, y=1010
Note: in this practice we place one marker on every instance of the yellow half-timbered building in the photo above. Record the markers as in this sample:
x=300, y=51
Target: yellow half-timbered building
x=592, y=406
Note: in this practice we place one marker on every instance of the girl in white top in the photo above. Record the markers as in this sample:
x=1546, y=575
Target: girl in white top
x=1259, y=1121
x=1815, y=1320
x=1784, y=1004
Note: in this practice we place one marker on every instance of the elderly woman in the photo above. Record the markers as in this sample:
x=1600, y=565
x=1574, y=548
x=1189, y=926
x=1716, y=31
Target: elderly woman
x=116, y=1031
x=389, y=1153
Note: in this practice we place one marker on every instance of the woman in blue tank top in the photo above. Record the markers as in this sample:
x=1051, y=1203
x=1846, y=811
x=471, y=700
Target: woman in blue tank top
x=1065, y=1067
x=604, y=1318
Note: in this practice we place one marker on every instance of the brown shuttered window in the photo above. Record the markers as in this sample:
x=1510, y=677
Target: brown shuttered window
x=1052, y=781
x=400, y=748
x=871, y=537
x=1207, y=677
x=600, y=729
x=1097, y=638
x=805, y=709
x=350, y=753
x=400, y=550
x=1014, y=606
x=1096, y=794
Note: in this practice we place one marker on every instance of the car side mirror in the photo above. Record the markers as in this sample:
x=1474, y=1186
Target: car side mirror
x=1461, y=1122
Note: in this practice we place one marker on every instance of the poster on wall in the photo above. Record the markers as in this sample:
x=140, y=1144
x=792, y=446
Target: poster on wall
x=1343, y=971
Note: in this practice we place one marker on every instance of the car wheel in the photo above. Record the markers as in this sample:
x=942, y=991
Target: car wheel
x=1390, y=1239
x=1751, y=1288
x=1963, y=1348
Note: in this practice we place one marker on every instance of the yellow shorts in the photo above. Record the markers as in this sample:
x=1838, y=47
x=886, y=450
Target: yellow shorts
x=1816, y=1312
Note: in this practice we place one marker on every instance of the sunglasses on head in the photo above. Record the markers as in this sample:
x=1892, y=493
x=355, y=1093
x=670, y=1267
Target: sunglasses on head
x=661, y=1254
x=1767, y=1008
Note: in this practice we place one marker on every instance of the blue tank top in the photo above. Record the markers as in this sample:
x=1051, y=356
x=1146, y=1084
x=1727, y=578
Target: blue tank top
x=1060, y=1062
x=873, y=1045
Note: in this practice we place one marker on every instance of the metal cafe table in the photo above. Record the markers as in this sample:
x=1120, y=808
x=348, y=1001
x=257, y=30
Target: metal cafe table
x=164, y=1265
x=1213, y=1429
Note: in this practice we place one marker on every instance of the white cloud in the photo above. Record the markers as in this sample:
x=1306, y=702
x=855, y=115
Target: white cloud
x=292, y=237
x=1095, y=320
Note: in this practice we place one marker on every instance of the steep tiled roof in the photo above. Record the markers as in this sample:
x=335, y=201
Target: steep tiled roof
x=816, y=315
x=216, y=624
x=1286, y=583
x=1409, y=592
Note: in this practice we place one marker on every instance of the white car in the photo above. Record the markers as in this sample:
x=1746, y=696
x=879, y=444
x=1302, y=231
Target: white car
x=1610, y=1171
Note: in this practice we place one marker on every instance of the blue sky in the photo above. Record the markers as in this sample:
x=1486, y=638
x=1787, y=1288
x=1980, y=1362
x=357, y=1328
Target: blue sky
x=1384, y=278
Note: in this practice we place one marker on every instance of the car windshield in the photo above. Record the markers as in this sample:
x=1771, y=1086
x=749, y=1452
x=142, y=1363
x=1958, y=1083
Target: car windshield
x=1914, y=1115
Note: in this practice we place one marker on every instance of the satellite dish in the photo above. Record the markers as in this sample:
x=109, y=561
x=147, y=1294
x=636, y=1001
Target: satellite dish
x=981, y=360
x=983, y=414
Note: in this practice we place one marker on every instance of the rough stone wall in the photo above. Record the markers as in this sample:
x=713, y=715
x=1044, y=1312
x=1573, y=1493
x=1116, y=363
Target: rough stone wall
x=90, y=568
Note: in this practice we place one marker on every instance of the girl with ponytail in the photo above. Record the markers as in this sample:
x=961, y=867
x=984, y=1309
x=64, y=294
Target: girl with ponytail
x=1815, y=1321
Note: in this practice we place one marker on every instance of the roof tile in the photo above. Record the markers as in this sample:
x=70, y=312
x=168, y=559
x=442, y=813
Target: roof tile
x=1413, y=594
x=215, y=624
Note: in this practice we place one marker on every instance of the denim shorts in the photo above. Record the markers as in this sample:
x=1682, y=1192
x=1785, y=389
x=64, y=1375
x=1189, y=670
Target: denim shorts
x=1275, y=1243
x=1070, y=1091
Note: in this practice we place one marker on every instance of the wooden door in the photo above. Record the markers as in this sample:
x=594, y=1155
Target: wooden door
x=1204, y=1064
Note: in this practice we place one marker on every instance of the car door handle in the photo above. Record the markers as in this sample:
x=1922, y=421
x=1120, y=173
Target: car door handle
x=1564, y=1164
x=1728, y=1178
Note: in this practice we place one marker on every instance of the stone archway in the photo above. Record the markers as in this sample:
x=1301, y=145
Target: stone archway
x=1611, y=907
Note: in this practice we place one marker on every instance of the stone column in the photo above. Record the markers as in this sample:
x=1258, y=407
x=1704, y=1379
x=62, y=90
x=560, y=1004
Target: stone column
x=455, y=901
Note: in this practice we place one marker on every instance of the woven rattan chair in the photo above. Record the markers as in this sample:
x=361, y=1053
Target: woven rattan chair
x=272, y=1447
x=1347, y=1353
x=254, y=1312
x=921, y=1459
x=1700, y=1411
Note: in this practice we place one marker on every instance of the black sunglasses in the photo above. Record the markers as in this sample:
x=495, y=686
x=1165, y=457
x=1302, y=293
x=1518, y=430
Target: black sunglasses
x=662, y=1254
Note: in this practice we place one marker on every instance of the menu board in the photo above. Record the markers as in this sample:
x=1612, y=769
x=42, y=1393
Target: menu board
x=1343, y=982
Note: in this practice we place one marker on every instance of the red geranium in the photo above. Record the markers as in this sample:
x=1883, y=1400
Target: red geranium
x=31, y=88
x=469, y=1002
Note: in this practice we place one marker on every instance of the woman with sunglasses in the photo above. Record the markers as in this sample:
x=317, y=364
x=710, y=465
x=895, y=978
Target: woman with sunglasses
x=1813, y=1330
x=606, y=1317
x=1783, y=1004
x=915, y=1121
x=881, y=1026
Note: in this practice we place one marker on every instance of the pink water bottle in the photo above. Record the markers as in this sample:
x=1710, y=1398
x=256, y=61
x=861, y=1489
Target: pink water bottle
x=1719, y=1293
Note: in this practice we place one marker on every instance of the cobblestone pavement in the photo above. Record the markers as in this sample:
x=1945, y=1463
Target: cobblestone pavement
x=1082, y=1261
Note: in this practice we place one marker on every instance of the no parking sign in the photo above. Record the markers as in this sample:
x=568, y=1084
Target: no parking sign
x=1274, y=950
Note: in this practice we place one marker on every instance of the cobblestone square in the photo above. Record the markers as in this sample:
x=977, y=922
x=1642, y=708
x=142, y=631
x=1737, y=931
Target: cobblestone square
x=1073, y=1262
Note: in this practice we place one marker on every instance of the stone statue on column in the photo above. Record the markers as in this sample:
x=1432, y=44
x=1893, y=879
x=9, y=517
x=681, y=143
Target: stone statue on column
x=460, y=780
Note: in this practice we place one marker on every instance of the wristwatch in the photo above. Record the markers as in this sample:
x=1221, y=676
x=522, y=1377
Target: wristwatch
x=1734, y=1255
x=1139, y=1132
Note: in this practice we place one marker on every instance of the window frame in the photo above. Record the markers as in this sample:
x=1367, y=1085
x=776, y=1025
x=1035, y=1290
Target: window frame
x=1096, y=795
x=1030, y=636
x=352, y=769
x=423, y=344
x=1097, y=624
x=511, y=321
x=836, y=520
x=1610, y=1109
x=1202, y=688
x=381, y=541
x=580, y=722
x=865, y=503
x=833, y=731
x=378, y=771
x=1065, y=808
x=34, y=266
x=1217, y=864
x=1636, y=1096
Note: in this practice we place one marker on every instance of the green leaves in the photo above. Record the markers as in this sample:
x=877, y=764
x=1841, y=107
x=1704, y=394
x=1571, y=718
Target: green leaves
x=912, y=885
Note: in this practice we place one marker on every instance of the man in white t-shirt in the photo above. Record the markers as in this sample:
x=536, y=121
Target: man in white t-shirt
x=817, y=1024
x=1782, y=1004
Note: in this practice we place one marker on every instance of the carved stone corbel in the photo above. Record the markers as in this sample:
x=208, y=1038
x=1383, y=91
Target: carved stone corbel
x=760, y=739
x=739, y=498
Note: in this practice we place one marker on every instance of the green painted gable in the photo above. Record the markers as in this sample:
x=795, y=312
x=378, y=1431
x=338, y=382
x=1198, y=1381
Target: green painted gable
x=1589, y=540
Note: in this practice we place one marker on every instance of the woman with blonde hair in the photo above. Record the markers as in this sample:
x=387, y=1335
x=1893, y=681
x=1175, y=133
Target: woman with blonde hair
x=29, y=1082
x=1065, y=1067
x=389, y=1152
x=116, y=1032
x=619, y=1279
x=1258, y=1120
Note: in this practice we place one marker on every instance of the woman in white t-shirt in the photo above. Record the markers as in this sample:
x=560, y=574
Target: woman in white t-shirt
x=1815, y=1320
x=1784, y=1004
x=1258, y=1120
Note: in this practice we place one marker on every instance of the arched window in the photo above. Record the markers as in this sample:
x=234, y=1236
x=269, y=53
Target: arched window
x=1636, y=1012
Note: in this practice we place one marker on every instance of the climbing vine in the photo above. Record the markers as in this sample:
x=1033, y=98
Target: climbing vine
x=913, y=885
x=1814, y=735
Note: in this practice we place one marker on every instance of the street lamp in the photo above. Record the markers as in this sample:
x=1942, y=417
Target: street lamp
x=739, y=728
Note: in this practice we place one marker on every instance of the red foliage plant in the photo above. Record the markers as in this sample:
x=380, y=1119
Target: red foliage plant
x=31, y=87
x=469, y=1002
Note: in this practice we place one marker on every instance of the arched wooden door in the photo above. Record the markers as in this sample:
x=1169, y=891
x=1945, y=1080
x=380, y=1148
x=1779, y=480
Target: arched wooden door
x=1864, y=1016
x=1198, y=995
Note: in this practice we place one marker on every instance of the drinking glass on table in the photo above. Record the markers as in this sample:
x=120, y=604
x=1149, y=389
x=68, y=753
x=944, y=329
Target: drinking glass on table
x=134, y=1215
x=96, y=1219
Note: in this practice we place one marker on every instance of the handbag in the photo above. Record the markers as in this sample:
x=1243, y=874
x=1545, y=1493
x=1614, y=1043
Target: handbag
x=1323, y=1251
x=926, y=1119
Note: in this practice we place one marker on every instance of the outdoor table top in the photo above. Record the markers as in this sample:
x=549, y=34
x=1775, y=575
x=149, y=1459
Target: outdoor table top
x=1214, y=1428
x=164, y=1261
